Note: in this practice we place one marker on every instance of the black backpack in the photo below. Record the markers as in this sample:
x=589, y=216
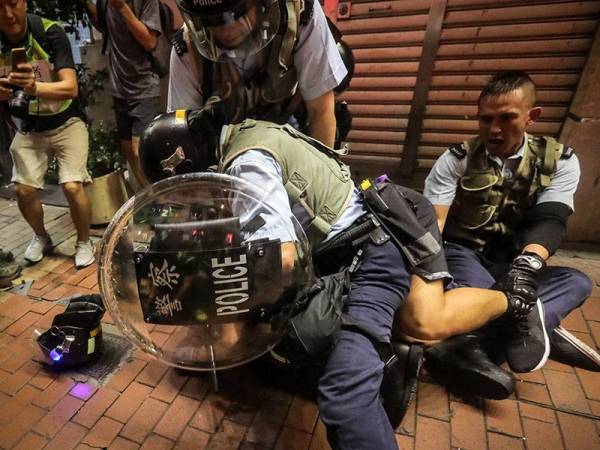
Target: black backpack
x=161, y=54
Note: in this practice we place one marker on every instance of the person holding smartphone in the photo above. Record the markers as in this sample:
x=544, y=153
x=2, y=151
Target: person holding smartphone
x=38, y=91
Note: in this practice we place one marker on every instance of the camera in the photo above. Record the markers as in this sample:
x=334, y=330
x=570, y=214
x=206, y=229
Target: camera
x=19, y=104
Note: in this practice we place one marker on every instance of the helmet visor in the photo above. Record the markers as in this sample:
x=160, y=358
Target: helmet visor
x=238, y=33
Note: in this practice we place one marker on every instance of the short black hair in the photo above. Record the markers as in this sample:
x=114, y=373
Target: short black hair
x=507, y=81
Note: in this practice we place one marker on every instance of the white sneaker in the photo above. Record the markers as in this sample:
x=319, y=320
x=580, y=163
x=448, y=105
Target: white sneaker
x=84, y=253
x=37, y=247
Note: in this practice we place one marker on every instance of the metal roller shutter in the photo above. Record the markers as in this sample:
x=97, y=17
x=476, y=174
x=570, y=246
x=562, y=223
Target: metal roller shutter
x=549, y=39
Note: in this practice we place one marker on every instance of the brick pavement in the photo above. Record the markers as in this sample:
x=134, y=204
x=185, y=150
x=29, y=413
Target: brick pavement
x=150, y=406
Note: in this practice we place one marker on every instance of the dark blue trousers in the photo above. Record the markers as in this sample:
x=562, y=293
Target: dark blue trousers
x=561, y=289
x=349, y=386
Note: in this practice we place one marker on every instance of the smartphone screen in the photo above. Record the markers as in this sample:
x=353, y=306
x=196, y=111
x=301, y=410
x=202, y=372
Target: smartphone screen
x=17, y=56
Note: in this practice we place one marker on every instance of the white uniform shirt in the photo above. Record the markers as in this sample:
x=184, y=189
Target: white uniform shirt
x=442, y=182
x=316, y=59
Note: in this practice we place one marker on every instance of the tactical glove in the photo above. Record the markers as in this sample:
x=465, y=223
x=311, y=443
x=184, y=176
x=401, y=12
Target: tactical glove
x=520, y=284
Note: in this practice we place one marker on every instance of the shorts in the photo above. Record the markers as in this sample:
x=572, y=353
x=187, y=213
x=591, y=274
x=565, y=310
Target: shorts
x=133, y=116
x=68, y=143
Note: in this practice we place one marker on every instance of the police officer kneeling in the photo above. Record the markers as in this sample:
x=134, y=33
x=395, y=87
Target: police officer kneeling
x=301, y=176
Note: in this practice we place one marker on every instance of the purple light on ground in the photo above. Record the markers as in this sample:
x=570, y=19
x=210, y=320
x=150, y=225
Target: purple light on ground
x=82, y=391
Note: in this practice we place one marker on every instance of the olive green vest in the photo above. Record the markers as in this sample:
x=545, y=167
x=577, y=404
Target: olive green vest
x=44, y=71
x=267, y=91
x=487, y=208
x=313, y=175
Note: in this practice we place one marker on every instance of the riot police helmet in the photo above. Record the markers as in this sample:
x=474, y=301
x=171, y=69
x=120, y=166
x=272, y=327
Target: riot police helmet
x=178, y=142
x=225, y=29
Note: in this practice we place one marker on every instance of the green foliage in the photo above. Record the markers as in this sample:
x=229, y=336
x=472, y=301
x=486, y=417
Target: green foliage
x=104, y=156
x=90, y=84
x=70, y=12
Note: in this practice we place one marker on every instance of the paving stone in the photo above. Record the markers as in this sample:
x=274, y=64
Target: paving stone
x=126, y=374
x=503, y=417
x=156, y=442
x=192, y=439
x=152, y=373
x=169, y=386
x=432, y=434
x=565, y=391
x=501, y=442
x=84, y=391
x=95, y=407
x=31, y=441
x=293, y=439
x=409, y=422
x=433, y=401
x=575, y=321
x=129, y=401
x=141, y=424
x=103, y=433
x=53, y=393
x=14, y=405
x=404, y=442
x=58, y=416
x=533, y=392
x=177, y=417
x=20, y=425
x=196, y=387
x=536, y=412
x=19, y=326
x=67, y=438
x=578, y=432
x=591, y=308
x=123, y=444
x=542, y=435
x=14, y=382
x=467, y=425
x=211, y=412
x=302, y=415
x=15, y=306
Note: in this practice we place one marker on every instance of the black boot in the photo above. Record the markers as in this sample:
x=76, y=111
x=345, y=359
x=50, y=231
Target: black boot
x=461, y=364
x=400, y=380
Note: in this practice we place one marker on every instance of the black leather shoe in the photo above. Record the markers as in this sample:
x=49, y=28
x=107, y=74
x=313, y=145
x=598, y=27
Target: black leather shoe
x=567, y=349
x=400, y=380
x=461, y=364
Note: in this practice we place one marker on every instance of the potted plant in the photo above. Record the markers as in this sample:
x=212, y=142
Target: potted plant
x=107, y=191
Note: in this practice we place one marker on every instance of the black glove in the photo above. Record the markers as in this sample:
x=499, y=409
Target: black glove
x=520, y=284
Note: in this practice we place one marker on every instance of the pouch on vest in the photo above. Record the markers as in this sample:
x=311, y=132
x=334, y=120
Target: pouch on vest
x=398, y=215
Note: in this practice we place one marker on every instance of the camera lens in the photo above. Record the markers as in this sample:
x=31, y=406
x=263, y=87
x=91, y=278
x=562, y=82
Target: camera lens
x=19, y=104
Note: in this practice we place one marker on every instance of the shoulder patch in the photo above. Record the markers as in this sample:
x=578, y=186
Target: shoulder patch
x=458, y=150
x=179, y=42
x=567, y=152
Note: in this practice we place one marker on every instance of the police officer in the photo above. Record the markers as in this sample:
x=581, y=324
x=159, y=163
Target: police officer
x=502, y=200
x=254, y=55
x=301, y=176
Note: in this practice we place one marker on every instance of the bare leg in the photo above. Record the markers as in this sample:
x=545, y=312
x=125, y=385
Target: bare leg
x=31, y=208
x=430, y=314
x=80, y=208
x=130, y=149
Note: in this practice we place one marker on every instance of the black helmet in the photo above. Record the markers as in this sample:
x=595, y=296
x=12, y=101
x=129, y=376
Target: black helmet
x=225, y=29
x=75, y=336
x=348, y=59
x=178, y=142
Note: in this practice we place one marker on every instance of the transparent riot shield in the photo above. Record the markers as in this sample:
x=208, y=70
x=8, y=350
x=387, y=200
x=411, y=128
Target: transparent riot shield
x=198, y=271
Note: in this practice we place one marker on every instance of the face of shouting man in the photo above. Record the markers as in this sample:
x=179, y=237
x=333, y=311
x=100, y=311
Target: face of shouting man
x=13, y=19
x=503, y=120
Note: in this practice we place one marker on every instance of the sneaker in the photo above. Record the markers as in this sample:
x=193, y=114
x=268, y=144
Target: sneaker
x=84, y=253
x=567, y=349
x=463, y=367
x=38, y=246
x=9, y=269
x=527, y=342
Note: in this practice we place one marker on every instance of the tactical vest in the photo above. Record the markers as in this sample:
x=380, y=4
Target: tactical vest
x=487, y=208
x=313, y=175
x=264, y=95
x=40, y=59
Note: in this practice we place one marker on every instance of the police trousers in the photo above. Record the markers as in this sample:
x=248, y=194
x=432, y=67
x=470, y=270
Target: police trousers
x=348, y=390
x=561, y=289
